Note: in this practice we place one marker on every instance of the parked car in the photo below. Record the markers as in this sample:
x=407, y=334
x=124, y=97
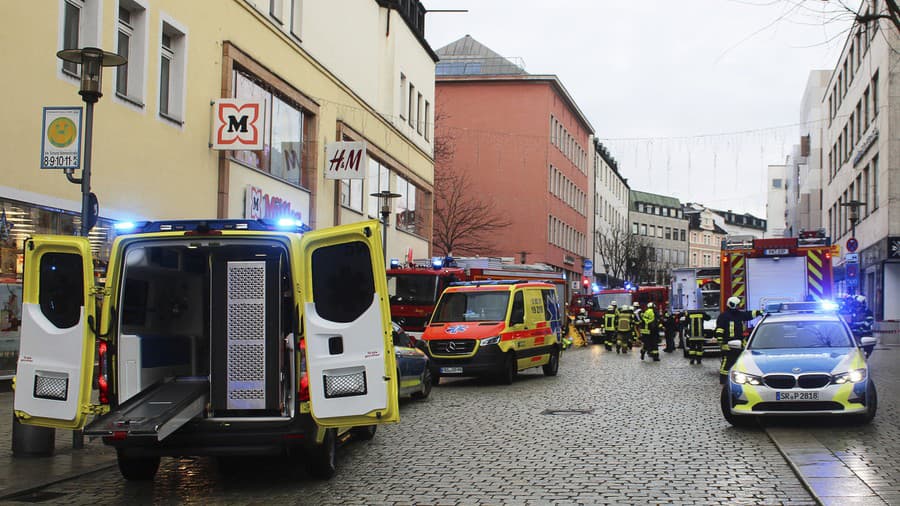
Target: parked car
x=413, y=366
x=800, y=363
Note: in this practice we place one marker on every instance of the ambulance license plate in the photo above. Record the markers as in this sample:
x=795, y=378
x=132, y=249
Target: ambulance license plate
x=451, y=370
x=796, y=396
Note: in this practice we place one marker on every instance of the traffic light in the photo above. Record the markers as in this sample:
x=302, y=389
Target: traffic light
x=585, y=282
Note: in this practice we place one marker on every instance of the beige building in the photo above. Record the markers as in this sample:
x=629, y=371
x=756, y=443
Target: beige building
x=660, y=222
x=610, y=207
x=861, y=149
x=705, y=236
x=370, y=80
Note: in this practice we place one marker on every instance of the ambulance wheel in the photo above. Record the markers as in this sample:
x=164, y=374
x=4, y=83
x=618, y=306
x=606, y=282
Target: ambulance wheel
x=137, y=468
x=365, y=433
x=552, y=367
x=740, y=421
x=427, y=383
x=508, y=375
x=320, y=461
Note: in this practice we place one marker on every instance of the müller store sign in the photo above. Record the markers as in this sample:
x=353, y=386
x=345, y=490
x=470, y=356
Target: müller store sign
x=258, y=204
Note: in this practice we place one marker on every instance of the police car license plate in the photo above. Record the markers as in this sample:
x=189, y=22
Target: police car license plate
x=796, y=396
x=451, y=370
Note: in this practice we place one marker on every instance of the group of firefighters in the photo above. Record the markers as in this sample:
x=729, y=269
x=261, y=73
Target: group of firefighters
x=626, y=325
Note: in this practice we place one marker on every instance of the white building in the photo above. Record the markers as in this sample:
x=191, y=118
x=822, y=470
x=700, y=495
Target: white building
x=861, y=150
x=610, y=205
x=776, y=201
x=804, y=199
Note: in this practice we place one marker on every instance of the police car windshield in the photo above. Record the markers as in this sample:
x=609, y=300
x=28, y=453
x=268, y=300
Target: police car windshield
x=800, y=334
x=471, y=307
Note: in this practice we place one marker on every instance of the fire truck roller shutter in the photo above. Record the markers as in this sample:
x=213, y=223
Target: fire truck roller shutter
x=775, y=279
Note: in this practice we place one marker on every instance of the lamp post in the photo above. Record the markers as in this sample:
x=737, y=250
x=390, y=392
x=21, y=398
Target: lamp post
x=384, y=202
x=853, y=217
x=92, y=61
x=606, y=274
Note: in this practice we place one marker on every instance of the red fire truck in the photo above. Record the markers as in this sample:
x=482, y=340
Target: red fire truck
x=784, y=269
x=414, y=289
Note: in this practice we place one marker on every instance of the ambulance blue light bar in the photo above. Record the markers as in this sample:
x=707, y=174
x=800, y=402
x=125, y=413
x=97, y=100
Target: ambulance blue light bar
x=210, y=226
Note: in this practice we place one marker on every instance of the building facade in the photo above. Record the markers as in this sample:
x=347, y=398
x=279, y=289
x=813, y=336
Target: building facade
x=705, y=236
x=776, y=200
x=660, y=225
x=861, y=176
x=522, y=142
x=152, y=128
x=611, y=193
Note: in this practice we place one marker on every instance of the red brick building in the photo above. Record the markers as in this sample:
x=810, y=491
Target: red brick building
x=525, y=144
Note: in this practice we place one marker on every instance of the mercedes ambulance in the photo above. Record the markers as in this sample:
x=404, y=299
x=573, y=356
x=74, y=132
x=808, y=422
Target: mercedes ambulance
x=494, y=328
x=222, y=338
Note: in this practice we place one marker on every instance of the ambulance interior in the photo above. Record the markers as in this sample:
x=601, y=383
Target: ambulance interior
x=217, y=311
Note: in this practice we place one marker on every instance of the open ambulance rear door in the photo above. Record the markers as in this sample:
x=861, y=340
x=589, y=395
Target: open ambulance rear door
x=56, y=354
x=352, y=371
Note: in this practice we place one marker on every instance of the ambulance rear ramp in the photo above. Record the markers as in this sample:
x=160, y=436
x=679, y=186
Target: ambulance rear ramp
x=156, y=412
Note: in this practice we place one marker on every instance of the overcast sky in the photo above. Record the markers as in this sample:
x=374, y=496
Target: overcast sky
x=655, y=77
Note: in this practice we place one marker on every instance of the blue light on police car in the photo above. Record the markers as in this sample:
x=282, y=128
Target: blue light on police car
x=124, y=226
x=828, y=305
x=395, y=263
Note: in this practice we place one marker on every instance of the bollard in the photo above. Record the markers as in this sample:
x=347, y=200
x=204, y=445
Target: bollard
x=32, y=441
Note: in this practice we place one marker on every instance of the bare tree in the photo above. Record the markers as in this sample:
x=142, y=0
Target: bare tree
x=463, y=221
x=627, y=255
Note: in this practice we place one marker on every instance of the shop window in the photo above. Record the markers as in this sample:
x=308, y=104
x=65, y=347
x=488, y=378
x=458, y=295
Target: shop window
x=61, y=289
x=342, y=283
x=411, y=200
x=378, y=178
x=284, y=131
x=352, y=194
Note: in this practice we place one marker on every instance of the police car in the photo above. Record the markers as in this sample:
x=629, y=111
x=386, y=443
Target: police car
x=800, y=360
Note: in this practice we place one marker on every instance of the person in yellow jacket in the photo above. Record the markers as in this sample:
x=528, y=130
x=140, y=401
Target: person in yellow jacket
x=650, y=333
x=624, y=330
x=609, y=326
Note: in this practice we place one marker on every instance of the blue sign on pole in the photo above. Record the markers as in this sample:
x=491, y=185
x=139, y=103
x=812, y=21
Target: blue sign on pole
x=588, y=266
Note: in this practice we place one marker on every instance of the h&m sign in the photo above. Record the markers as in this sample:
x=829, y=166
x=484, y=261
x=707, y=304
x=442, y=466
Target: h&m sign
x=238, y=124
x=345, y=160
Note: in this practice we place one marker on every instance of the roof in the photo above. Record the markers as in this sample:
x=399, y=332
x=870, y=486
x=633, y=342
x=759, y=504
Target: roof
x=731, y=218
x=467, y=56
x=653, y=199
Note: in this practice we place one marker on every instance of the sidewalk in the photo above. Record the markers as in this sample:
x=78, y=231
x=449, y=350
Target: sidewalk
x=21, y=474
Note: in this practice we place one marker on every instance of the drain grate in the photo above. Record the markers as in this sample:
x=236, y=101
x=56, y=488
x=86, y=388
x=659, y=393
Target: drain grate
x=567, y=412
x=36, y=496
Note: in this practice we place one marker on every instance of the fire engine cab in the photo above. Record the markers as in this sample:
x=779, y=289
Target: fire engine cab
x=214, y=338
x=784, y=269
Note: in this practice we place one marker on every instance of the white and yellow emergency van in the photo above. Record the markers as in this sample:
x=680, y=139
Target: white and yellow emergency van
x=223, y=338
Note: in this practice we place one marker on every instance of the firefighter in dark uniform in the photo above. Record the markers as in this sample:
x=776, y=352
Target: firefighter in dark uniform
x=609, y=326
x=694, y=333
x=730, y=326
x=650, y=333
x=670, y=326
x=624, y=330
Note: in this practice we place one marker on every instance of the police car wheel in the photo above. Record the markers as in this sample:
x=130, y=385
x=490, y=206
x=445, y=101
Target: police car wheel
x=137, y=468
x=320, y=461
x=871, y=404
x=734, y=420
x=427, y=383
x=508, y=375
x=552, y=367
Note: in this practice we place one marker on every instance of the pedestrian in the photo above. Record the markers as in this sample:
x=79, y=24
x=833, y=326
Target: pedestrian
x=670, y=326
x=730, y=326
x=695, y=337
x=624, y=330
x=609, y=326
x=650, y=333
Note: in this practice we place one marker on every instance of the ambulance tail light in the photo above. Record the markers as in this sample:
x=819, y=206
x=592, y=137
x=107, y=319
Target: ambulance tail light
x=103, y=376
x=303, y=387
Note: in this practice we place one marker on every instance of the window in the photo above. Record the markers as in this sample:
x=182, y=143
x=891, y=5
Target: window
x=669, y=232
x=61, y=288
x=352, y=194
x=420, y=121
x=776, y=183
x=173, y=48
x=427, y=117
x=875, y=182
x=336, y=267
x=652, y=232
x=866, y=108
x=296, y=17
x=643, y=229
x=378, y=178
x=276, y=10
x=867, y=189
x=410, y=111
x=80, y=28
x=411, y=197
x=875, y=94
x=640, y=207
x=132, y=29
x=71, y=29
x=634, y=228
x=284, y=131
x=402, y=96
x=659, y=232
x=682, y=234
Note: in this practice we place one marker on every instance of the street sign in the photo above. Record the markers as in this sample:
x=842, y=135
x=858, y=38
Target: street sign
x=238, y=124
x=588, y=267
x=61, y=138
x=345, y=160
x=851, y=257
x=852, y=244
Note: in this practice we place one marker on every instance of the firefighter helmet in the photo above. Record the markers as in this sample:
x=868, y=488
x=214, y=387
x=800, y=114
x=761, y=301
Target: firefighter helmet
x=860, y=299
x=613, y=304
x=733, y=302
x=651, y=305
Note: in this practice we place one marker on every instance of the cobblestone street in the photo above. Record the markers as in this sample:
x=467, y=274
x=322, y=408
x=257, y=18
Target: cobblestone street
x=653, y=434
